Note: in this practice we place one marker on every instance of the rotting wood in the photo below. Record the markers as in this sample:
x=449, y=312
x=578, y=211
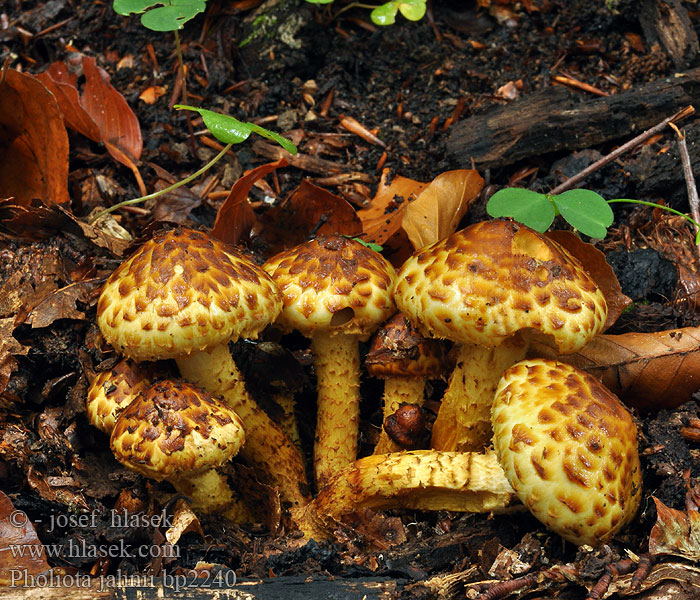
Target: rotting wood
x=289, y=588
x=556, y=119
x=667, y=22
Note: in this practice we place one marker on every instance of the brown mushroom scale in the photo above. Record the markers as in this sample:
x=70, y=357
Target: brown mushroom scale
x=183, y=295
x=335, y=291
x=480, y=287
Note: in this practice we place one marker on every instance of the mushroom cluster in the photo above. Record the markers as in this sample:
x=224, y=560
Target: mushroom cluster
x=562, y=443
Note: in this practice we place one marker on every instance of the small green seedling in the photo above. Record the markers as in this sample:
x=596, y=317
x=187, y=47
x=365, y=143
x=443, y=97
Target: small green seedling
x=161, y=15
x=585, y=210
x=370, y=245
x=385, y=14
x=224, y=128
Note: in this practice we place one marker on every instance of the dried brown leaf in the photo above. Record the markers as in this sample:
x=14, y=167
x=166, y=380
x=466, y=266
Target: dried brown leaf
x=650, y=371
x=184, y=521
x=17, y=531
x=100, y=113
x=33, y=142
x=235, y=218
x=439, y=208
x=62, y=304
x=675, y=532
x=593, y=260
x=309, y=210
x=10, y=348
x=382, y=218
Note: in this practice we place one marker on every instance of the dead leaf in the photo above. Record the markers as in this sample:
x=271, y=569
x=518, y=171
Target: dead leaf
x=100, y=113
x=60, y=494
x=309, y=210
x=33, y=142
x=62, y=304
x=184, y=521
x=382, y=218
x=593, y=260
x=649, y=371
x=235, y=218
x=10, y=348
x=17, y=533
x=675, y=532
x=439, y=208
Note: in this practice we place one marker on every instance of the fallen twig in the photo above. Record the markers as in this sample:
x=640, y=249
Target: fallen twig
x=693, y=199
x=633, y=143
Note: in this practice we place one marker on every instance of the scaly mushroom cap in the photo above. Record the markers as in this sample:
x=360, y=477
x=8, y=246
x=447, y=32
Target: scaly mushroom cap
x=568, y=448
x=183, y=291
x=488, y=281
x=175, y=429
x=334, y=284
x=398, y=350
x=113, y=390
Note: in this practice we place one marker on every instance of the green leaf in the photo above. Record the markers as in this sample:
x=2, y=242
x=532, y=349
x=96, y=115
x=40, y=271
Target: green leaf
x=370, y=245
x=229, y=130
x=385, y=14
x=164, y=15
x=586, y=211
x=319, y=1
x=413, y=10
x=528, y=207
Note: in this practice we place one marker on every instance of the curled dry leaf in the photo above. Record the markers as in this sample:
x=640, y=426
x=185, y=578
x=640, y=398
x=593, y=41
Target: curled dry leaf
x=17, y=530
x=593, y=260
x=10, y=348
x=309, y=210
x=675, y=532
x=649, y=371
x=382, y=218
x=33, y=142
x=62, y=303
x=439, y=208
x=235, y=218
x=184, y=521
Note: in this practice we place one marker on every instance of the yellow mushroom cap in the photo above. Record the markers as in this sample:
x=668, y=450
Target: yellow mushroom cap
x=398, y=350
x=334, y=284
x=183, y=291
x=568, y=448
x=113, y=390
x=488, y=281
x=175, y=429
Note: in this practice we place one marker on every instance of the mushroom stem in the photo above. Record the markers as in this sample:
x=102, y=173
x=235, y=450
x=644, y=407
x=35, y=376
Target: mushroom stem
x=397, y=391
x=464, y=419
x=288, y=420
x=267, y=449
x=211, y=493
x=337, y=363
x=419, y=480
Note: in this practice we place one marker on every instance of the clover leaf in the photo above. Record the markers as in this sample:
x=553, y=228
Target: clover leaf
x=525, y=206
x=161, y=15
x=586, y=211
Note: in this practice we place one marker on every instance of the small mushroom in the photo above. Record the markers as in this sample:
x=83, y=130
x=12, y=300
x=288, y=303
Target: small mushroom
x=114, y=389
x=568, y=448
x=488, y=287
x=405, y=360
x=183, y=295
x=417, y=480
x=178, y=432
x=335, y=291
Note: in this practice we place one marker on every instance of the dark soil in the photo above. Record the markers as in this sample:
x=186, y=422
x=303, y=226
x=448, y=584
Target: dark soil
x=408, y=82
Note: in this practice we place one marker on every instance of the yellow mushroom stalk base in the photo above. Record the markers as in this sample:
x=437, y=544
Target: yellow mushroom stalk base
x=419, y=480
x=464, y=419
x=267, y=448
x=337, y=363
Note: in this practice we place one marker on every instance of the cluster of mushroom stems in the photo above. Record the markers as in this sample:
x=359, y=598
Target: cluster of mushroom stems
x=487, y=289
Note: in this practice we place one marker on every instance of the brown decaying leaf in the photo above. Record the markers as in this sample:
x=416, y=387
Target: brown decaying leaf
x=9, y=349
x=439, y=208
x=100, y=113
x=675, y=532
x=649, y=371
x=33, y=142
x=184, y=521
x=381, y=219
x=16, y=530
x=597, y=267
x=62, y=304
x=310, y=209
x=235, y=218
